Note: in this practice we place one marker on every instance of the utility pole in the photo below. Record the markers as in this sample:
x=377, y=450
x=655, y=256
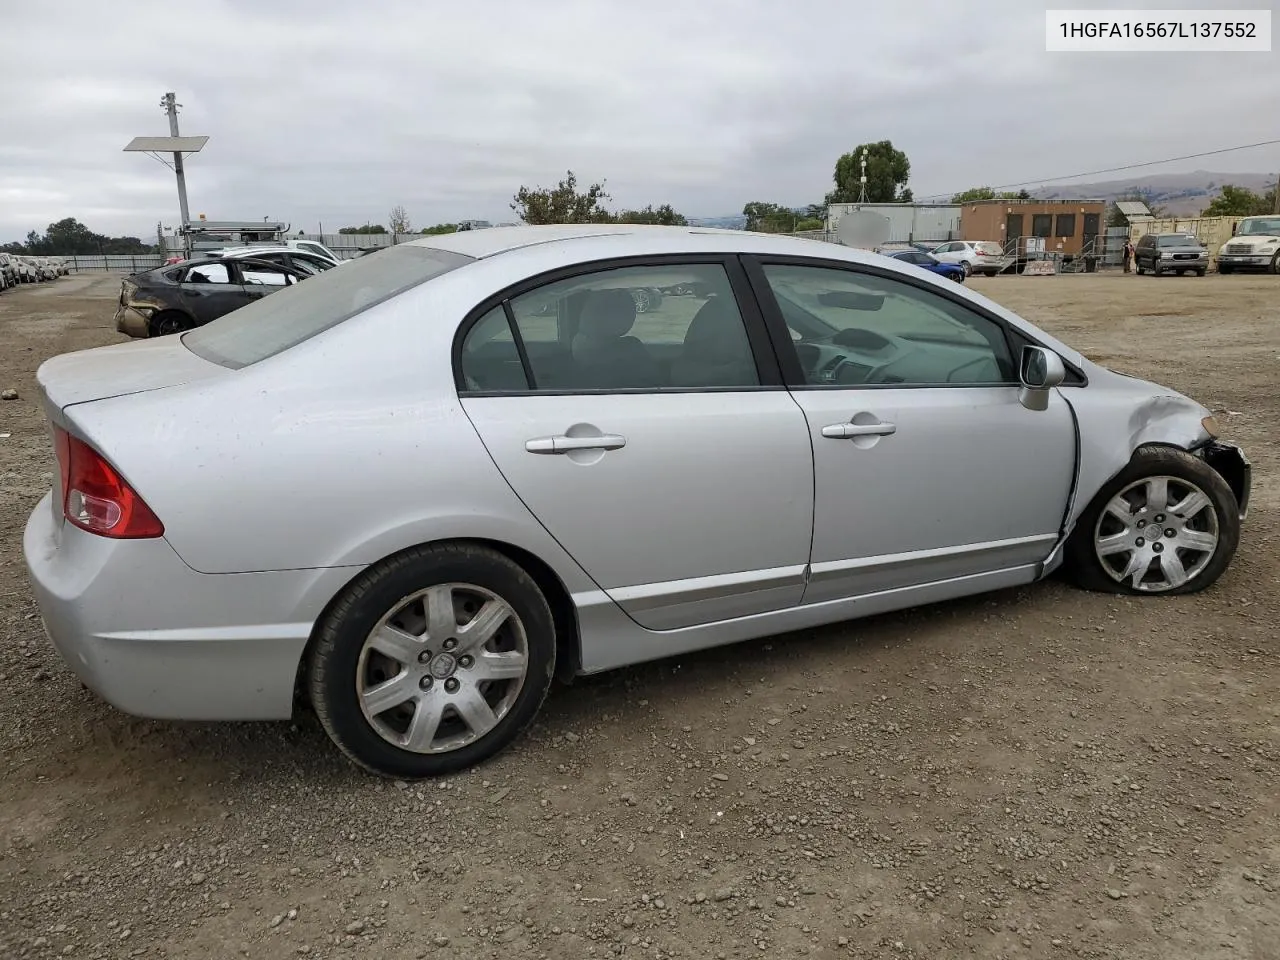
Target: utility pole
x=171, y=105
x=1275, y=204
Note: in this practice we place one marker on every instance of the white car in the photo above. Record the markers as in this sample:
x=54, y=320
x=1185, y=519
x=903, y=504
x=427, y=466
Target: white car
x=976, y=256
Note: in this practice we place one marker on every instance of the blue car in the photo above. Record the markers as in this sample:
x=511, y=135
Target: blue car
x=952, y=271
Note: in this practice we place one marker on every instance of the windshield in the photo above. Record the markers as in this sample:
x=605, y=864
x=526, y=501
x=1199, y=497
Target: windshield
x=1178, y=240
x=287, y=317
x=1258, y=226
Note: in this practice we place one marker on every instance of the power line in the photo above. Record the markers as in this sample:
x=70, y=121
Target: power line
x=1128, y=166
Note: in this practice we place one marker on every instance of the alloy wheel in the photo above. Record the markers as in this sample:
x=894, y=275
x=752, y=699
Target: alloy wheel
x=442, y=668
x=1157, y=534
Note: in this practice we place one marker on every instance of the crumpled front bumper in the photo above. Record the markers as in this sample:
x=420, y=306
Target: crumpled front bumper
x=1230, y=461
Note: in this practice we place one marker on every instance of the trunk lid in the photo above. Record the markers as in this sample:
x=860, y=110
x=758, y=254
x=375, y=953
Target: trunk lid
x=117, y=370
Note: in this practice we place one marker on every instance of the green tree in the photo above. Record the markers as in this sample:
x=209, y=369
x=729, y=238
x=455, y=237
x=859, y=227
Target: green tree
x=663, y=215
x=888, y=170
x=366, y=229
x=987, y=193
x=70, y=237
x=1239, y=202
x=440, y=228
x=562, y=203
x=770, y=217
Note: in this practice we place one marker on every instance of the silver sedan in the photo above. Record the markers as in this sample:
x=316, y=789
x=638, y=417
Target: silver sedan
x=413, y=491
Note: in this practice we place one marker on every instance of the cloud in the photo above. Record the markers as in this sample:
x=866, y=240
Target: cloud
x=333, y=112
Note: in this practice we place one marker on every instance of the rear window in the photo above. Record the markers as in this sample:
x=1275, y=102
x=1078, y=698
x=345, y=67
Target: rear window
x=297, y=313
x=990, y=248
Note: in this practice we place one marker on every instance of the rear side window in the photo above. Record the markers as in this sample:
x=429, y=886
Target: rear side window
x=273, y=324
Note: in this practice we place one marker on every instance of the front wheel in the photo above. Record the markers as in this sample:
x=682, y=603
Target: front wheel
x=1224, y=269
x=1166, y=524
x=1275, y=264
x=432, y=661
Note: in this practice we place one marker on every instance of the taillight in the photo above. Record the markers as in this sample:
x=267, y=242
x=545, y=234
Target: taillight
x=96, y=498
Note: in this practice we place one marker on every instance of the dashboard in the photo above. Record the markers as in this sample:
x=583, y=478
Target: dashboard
x=856, y=356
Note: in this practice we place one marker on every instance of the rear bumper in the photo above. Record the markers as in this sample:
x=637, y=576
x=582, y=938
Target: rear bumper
x=156, y=639
x=132, y=323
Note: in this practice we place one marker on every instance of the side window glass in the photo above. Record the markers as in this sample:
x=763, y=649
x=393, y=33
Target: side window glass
x=668, y=326
x=260, y=273
x=490, y=360
x=208, y=273
x=857, y=329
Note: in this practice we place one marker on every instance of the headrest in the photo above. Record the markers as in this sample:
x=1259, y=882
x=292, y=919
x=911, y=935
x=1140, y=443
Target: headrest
x=716, y=332
x=607, y=315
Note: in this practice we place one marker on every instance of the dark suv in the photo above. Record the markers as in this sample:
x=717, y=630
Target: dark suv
x=1171, y=253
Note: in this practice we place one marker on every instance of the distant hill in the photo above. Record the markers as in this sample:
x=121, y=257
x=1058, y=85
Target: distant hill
x=1182, y=194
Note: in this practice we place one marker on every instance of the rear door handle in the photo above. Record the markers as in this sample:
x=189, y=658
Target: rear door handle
x=847, y=431
x=562, y=444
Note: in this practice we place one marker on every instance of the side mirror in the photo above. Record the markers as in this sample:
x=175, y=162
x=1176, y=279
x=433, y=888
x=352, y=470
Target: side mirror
x=1040, y=371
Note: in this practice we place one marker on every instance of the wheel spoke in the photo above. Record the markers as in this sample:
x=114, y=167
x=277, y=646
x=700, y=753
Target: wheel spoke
x=397, y=644
x=1114, y=543
x=425, y=723
x=1190, y=505
x=482, y=627
x=442, y=622
x=1171, y=566
x=474, y=710
x=1197, y=540
x=1158, y=493
x=1136, y=568
x=388, y=694
x=500, y=666
x=1119, y=508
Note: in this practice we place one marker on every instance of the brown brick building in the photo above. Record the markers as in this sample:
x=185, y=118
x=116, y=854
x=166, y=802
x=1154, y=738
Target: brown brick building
x=1067, y=226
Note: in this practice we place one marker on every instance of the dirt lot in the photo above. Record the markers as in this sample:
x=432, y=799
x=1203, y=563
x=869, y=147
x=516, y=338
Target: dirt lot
x=1037, y=773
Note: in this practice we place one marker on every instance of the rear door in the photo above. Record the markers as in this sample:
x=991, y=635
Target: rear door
x=209, y=290
x=650, y=434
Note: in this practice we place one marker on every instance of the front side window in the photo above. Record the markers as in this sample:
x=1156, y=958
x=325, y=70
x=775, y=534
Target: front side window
x=661, y=327
x=851, y=328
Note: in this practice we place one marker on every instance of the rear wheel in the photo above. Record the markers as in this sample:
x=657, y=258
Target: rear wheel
x=1167, y=524
x=433, y=661
x=169, y=322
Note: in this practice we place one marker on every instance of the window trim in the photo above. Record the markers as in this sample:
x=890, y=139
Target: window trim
x=789, y=360
x=763, y=349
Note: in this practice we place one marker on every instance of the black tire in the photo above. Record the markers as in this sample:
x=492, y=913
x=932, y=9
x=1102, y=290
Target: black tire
x=1156, y=270
x=1084, y=566
x=958, y=277
x=1182, y=273
x=168, y=322
x=1137, y=265
x=1224, y=269
x=333, y=664
x=1201, y=272
x=966, y=266
x=1275, y=264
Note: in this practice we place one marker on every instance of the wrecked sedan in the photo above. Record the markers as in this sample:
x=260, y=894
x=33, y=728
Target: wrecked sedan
x=446, y=473
x=178, y=297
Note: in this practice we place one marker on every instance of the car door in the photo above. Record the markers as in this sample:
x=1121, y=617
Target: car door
x=265, y=275
x=927, y=467
x=650, y=435
x=210, y=289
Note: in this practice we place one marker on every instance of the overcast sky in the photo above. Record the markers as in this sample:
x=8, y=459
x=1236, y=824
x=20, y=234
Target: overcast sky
x=334, y=112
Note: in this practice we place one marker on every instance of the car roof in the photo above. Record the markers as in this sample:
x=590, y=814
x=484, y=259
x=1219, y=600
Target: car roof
x=583, y=242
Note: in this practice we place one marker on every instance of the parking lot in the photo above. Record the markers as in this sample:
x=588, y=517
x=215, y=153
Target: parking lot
x=1035, y=773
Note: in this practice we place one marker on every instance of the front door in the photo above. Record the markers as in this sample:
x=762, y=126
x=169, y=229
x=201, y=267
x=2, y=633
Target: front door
x=637, y=426
x=927, y=467
x=209, y=290
x=1092, y=222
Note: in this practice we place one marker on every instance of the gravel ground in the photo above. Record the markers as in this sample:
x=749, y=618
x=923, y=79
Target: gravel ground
x=1034, y=773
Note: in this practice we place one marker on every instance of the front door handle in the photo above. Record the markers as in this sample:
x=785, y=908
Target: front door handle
x=562, y=444
x=847, y=431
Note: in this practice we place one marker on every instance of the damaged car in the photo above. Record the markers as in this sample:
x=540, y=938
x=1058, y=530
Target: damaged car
x=443, y=475
x=183, y=296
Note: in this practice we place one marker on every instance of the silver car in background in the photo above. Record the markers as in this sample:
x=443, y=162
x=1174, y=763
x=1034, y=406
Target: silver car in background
x=976, y=256
x=445, y=474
